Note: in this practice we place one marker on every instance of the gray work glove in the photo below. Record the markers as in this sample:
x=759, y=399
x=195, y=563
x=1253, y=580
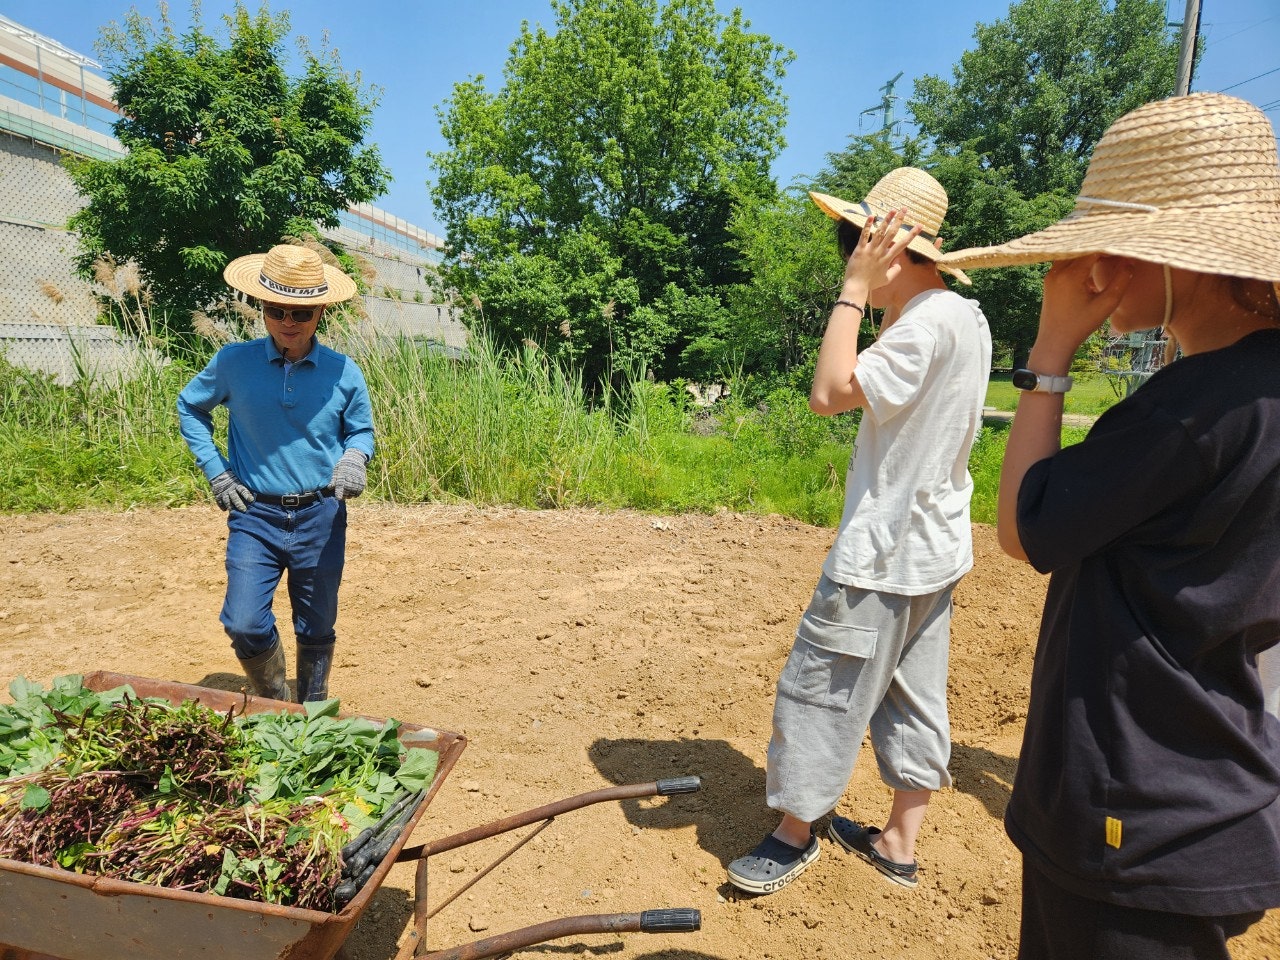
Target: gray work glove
x=230, y=493
x=349, y=475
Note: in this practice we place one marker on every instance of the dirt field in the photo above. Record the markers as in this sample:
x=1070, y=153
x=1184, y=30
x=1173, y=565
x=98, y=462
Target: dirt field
x=577, y=650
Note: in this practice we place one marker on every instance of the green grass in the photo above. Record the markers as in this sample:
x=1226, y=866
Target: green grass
x=984, y=467
x=489, y=429
x=1089, y=395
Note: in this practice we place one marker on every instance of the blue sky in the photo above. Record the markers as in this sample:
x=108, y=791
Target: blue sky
x=846, y=50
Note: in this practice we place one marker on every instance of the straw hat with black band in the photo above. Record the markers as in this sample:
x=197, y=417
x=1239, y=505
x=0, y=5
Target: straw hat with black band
x=1190, y=182
x=289, y=274
x=906, y=187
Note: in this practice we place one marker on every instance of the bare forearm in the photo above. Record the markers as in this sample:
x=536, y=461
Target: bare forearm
x=835, y=388
x=1036, y=433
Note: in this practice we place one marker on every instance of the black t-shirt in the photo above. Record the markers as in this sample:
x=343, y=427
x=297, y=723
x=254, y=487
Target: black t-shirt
x=1150, y=772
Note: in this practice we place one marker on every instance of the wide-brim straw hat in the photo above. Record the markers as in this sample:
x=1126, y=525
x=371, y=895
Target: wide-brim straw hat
x=923, y=197
x=289, y=274
x=1191, y=182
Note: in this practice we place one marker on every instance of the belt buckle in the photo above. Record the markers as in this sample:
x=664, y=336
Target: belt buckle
x=291, y=500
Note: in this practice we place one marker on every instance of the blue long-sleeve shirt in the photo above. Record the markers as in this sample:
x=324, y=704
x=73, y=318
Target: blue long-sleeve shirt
x=289, y=422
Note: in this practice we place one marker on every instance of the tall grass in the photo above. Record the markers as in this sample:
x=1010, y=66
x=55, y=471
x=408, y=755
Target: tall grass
x=522, y=430
x=484, y=428
x=106, y=440
x=984, y=466
x=487, y=429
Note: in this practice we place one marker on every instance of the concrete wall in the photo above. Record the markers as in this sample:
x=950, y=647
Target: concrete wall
x=40, y=290
x=38, y=283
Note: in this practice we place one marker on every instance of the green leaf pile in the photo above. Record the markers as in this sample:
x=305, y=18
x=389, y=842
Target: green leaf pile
x=257, y=806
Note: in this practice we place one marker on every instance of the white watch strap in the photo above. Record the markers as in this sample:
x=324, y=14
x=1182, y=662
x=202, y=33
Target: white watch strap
x=1048, y=384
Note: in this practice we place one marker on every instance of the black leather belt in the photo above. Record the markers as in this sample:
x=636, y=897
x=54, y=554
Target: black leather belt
x=293, y=499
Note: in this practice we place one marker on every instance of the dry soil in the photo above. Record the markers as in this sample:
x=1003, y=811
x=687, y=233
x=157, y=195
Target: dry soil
x=578, y=649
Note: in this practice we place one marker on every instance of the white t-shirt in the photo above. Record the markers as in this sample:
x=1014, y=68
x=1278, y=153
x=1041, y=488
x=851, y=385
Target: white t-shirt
x=905, y=527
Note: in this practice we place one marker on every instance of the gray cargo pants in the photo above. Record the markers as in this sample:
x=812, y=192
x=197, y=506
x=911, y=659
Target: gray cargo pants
x=861, y=658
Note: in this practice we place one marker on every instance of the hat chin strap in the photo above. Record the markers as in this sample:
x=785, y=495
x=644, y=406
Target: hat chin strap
x=1171, y=341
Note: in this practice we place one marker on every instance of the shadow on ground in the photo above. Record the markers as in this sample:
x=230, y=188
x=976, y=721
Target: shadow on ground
x=234, y=683
x=231, y=682
x=984, y=775
x=376, y=934
x=728, y=813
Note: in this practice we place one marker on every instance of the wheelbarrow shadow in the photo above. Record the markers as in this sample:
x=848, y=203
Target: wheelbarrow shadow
x=604, y=949
x=728, y=813
x=376, y=934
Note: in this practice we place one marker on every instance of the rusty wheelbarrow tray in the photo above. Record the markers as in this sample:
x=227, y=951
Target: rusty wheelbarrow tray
x=51, y=914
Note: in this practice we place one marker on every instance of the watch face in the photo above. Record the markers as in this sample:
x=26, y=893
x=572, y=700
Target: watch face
x=1025, y=379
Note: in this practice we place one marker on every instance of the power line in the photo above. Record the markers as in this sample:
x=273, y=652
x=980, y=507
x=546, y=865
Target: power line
x=1250, y=80
x=1212, y=40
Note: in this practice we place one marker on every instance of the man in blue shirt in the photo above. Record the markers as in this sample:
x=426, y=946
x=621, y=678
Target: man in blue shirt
x=299, y=435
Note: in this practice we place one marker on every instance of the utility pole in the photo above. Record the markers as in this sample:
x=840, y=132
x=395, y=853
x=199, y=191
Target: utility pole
x=1187, y=58
x=885, y=106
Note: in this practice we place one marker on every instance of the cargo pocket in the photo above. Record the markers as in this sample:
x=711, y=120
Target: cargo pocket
x=826, y=661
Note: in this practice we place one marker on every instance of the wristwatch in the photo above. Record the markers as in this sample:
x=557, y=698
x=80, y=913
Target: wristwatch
x=1040, y=382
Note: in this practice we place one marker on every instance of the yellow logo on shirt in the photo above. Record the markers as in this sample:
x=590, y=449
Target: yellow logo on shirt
x=1114, y=829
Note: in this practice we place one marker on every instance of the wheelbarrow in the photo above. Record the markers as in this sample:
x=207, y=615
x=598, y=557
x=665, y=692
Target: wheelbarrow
x=52, y=914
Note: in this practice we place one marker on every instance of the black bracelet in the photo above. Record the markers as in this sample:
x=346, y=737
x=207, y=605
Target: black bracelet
x=850, y=303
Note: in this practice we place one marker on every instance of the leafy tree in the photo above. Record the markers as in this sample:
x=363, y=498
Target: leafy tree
x=852, y=172
x=789, y=250
x=587, y=202
x=1013, y=133
x=226, y=153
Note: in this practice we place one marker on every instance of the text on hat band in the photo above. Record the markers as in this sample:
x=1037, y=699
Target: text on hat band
x=276, y=287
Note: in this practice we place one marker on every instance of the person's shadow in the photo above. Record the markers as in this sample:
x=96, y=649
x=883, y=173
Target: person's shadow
x=984, y=775
x=231, y=682
x=604, y=949
x=389, y=915
x=234, y=683
x=728, y=812
x=376, y=934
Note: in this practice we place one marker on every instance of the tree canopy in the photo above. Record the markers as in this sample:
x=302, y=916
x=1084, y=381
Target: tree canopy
x=1012, y=134
x=226, y=154
x=587, y=201
x=1042, y=85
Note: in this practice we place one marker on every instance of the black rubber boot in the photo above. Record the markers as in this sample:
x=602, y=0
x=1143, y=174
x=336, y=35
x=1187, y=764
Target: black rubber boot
x=314, y=661
x=267, y=675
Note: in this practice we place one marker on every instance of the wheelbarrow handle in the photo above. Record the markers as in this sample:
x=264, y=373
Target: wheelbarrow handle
x=650, y=921
x=674, y=785
x=548, y=812
x=671, y=920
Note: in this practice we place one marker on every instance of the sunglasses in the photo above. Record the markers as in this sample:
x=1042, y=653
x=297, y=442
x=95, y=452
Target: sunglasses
x=297, y=314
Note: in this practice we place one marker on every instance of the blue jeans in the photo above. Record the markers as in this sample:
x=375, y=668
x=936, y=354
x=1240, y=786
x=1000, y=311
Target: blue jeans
x=262, y=543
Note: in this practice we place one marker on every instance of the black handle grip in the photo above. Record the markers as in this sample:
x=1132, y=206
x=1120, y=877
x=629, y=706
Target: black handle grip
x=679, y=785
x=672, y=920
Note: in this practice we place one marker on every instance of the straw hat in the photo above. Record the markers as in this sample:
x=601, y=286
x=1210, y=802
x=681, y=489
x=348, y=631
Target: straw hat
x=289, y=274
x=1191, y=182
x=922, y=196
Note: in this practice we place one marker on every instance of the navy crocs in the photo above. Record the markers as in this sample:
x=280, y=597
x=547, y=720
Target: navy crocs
x=772, y=865
x=858, y=839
